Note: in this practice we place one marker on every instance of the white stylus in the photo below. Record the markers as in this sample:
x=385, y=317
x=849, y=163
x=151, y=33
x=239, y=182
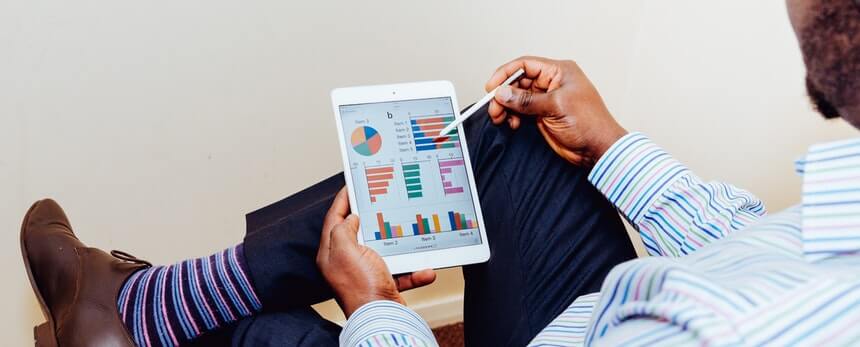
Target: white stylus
x=486, y=99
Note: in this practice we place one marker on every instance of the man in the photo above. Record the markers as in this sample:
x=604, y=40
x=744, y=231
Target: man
x=726, y=274
x=729, y=275
x=553, y=237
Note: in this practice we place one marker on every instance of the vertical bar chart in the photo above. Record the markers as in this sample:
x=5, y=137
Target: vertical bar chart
x=412, y=179
x=379, y=180
x=386, y=230
x=446, y=170
x=426, y=133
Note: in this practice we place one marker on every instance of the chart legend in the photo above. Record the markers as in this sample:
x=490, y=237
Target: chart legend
x=425, y=131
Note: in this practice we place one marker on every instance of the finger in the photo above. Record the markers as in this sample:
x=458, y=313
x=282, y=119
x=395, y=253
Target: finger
x=514, y=122
x=345, y=234
x=525, y=101
x=335, y=215
x=415, y=280
x=525, y=83
x=533, y=67
x=496, y=112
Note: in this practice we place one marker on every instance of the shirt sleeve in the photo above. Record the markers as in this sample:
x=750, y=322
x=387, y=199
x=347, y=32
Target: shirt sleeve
x=386, y=323
x=674, y=211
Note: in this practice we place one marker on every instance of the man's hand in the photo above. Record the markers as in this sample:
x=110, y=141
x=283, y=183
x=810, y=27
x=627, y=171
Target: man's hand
x=357, y=273
x=570, y=113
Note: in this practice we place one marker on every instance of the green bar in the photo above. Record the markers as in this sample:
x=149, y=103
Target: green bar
x=427, y=225
x=413, y=181
x=388, y=230
x=415, y=195
x=446, y=145
x=463, y=221
x=453, y=138
x=411, y=167
x=412, y=188
x=411, y=173
x=447, y=119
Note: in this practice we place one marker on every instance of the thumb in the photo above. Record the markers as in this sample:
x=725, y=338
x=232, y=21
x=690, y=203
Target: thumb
x=345, y=233
x=524, y=101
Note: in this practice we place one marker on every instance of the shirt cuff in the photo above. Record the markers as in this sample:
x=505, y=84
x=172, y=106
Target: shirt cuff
x=385, y=318
x=633, y=172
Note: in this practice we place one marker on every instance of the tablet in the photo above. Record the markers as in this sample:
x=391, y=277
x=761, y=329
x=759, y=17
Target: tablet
x=412, y=188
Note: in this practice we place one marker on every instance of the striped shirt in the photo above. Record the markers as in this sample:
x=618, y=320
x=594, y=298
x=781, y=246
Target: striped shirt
x=722, y=272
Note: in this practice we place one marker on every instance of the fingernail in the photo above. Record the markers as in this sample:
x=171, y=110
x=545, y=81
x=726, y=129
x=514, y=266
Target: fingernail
x=505, y=93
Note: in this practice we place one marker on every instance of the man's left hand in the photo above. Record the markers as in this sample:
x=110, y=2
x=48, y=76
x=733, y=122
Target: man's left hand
x=357, y=273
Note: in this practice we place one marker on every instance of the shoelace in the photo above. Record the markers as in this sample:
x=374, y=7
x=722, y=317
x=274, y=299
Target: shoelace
x=129, y=258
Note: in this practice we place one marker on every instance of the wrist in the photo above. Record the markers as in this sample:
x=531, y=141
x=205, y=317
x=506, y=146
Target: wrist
x=352, y=305
x=605, y=141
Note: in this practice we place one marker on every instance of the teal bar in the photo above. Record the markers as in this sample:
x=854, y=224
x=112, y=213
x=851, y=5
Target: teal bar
x=411, y=173
x=412, y=188
x=427, y=226
x=463, y=221
x=410, y=167
x=415, y=195
x=413, y=181
x=388, y=230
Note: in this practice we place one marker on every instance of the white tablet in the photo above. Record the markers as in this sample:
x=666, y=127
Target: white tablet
x=412, y=188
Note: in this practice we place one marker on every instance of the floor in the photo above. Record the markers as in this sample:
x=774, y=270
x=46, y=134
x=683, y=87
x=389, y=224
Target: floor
x=450, y=335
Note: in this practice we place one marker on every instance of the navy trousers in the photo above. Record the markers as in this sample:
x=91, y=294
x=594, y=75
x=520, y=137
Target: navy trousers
x=552, y=237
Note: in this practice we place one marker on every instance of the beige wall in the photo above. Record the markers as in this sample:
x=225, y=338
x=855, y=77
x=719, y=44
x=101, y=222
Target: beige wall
x=157, y=124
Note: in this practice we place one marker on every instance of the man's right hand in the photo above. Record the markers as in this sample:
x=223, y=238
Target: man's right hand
x=569, y=111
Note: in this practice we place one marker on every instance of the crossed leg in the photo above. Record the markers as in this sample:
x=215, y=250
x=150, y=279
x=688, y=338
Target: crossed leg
x=552, y=237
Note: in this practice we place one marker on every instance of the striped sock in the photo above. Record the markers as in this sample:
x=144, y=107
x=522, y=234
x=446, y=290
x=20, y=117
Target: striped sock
x=171, y=305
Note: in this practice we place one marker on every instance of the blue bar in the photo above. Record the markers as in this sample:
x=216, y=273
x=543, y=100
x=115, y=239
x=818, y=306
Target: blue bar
x=414, y=122
x=451, y=219
x=378, y=237
x=425, y=140
x=415, y=229
x=416, y=134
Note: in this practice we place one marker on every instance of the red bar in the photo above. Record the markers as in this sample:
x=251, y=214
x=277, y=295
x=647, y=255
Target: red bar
x=379, y=170
x=459, y=224
x=381, y=222
x=379, y=191
x=420, y=222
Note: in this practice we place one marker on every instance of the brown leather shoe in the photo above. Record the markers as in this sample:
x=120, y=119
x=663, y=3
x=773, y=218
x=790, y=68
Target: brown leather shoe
x=77, y=286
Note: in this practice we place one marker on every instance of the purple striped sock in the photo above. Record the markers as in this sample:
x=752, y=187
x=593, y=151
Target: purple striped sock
x=171, y=305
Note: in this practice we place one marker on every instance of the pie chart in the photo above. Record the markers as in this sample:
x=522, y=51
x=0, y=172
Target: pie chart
x=366, y=141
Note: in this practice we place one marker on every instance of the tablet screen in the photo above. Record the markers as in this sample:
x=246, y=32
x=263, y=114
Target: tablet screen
x=411, y=186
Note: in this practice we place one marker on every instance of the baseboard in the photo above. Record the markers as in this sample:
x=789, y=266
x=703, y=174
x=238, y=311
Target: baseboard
x=442, y=311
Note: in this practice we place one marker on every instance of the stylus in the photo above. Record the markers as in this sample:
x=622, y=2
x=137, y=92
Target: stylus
x=486, y=99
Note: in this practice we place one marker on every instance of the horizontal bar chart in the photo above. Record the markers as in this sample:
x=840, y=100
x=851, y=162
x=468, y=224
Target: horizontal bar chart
x=446, y=170
x=412, y=179
x=379, y=180
x=426, y=133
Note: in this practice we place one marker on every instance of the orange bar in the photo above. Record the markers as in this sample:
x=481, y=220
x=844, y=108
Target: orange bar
x=377, y=184
x=430, y=133
x=379, y=191
x=379, y=177
x=379, y=170
x=436, y=223
x=430, y=120
x=458, y=224
x=429, y=127
x=381, y=222
x=399, y=231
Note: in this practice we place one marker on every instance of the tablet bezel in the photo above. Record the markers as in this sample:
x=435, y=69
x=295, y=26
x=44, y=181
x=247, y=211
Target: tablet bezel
x=435, y=259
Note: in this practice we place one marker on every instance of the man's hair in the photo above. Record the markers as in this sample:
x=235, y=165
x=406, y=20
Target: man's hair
x=830, y=41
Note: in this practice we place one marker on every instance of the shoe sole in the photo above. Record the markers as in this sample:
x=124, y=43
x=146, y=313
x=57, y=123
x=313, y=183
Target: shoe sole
x=44, y=334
